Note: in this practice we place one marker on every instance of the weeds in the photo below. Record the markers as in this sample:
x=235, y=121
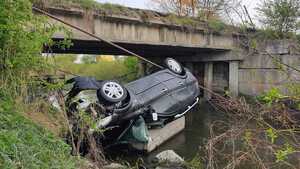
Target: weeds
x=261, y=135
x=216, y=25
x=185, y=21
x=23, y=144
x=195, y=163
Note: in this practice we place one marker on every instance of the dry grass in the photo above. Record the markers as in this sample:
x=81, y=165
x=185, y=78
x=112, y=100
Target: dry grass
x=257, y=135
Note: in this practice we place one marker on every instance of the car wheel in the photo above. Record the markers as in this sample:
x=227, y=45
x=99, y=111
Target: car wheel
x=111, y=92
x=174, y=66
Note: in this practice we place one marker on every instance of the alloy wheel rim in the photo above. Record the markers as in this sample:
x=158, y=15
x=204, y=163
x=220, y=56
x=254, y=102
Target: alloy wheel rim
x=113, y=90
x=174, y=66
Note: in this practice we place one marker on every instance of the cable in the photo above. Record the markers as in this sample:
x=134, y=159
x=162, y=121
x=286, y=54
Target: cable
x=94, y=36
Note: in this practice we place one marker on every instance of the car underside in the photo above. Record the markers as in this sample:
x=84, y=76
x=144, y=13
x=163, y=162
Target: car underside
x=126, y=112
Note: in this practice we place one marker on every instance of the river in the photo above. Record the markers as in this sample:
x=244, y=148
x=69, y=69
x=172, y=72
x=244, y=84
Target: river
x=187, y=143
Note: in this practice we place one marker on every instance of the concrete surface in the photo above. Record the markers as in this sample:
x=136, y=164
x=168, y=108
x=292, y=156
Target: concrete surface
x=234, y=78
x=208, y=79
x=161, y=135
x=151, y=38
x=249, y=74
x=259, y=72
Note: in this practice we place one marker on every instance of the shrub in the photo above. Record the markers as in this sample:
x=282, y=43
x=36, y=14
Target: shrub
x=23, y=144
x=216, y=25
x=22, y=37
x=273, y=95
x=280, y=17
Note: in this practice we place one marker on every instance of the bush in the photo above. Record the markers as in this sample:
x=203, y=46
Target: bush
x=184, y=21
x=216, y=25
x=23, y=144
x=273, y=95
x=22, y=38
x=280, y=17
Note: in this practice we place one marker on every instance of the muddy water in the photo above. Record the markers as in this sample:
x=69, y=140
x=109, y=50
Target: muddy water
x=189, y=142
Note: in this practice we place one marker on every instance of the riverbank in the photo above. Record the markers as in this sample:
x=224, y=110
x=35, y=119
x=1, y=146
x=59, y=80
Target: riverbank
x=24, y=144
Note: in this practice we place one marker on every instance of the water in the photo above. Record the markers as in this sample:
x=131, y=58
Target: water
x=189, y=142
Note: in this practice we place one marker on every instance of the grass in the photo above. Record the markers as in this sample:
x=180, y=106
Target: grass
x=25, y=145
x=44, y=114
x=103, y=70
x=188, y=21
x=216, y=25
x=87, y=4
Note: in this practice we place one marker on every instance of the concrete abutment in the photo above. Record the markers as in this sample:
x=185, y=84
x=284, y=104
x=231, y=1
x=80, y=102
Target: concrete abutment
x=217, y=60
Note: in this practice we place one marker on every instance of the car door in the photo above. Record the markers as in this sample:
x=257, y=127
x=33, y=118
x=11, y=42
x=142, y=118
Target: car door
x=177, y=89
x=184, y=90
x=165, y=104
x=149, y=88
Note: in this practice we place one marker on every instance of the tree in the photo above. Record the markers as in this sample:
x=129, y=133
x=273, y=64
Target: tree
x=202, y=8
x=22, y=38
x=179, y=7
x=280, y=16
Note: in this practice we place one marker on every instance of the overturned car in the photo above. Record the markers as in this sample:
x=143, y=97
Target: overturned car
x=124, y=112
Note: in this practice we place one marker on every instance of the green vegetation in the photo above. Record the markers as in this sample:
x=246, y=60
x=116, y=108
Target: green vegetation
x=107, y=9
x=280, y=17
x=216, y=25
x=195, y=163
x=282, y=154
x=185, y=21
x=19, y=47
x=86, y=4
x=273, y=95
x=23, y=144
x=124, y=70
x=67, y=3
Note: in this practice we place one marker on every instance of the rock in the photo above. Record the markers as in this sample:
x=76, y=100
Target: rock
x=90, y=165
x=114, y=166
x=169, y=156
x=170, y=167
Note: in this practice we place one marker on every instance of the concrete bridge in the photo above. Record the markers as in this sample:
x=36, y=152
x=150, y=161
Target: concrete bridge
x=215, y=58
x=152, y=38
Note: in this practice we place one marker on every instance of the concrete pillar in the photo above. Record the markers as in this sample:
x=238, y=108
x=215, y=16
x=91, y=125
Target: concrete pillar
x=234, y=78
x=208, y=79
x=142, y=68
x=190, y=66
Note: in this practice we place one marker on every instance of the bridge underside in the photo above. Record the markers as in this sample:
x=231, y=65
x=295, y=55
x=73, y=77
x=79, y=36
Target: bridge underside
x=147, y=50
x=198, y=59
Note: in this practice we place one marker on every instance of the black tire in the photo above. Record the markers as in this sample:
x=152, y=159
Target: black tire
x=111, y=92
x=174, y=66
